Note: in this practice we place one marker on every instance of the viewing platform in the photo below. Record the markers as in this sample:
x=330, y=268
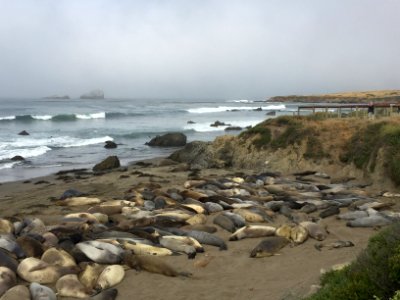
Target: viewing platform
x=359, y=109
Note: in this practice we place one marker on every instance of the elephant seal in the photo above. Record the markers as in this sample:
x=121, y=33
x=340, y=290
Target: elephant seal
x=34, y=225
x=39, y=292
x=284, y=231
x=6, y=260
x=250, y=215
x=70, y=286
x=334, y=245
x=351, y=215
x=18, y=292
x=298, y=234
x=315, y=230
x=200, y=227
x=207, y=239
x=78, y=201
x=330, y=211
x=309, y=208
x=269, y=246
x=370, y=221
x=6, y=226
x=197, y=219
x=252, y=231
x=109, y=294
x=111, y=276
x=7, y=279
x=144, y=249
x=100, y=252
x=35, y=270
x=224, y=222
x=180, y=244
x=30, y=246
x=58, y=257
x=151, y=264
x=50, y=240
x=88, y=277
x=8, y=243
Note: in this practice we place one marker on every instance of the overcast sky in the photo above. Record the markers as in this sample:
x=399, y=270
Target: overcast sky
x=198, y=48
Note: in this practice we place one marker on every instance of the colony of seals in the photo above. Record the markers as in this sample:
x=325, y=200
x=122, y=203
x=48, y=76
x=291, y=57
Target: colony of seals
x=86, y=253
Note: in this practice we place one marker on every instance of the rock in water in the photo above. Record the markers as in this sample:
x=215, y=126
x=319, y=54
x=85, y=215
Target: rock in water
x=109, y=163
x=17, y=158
x=95, y=94
x=175, y=139
x=110, y=145
x=23, y=132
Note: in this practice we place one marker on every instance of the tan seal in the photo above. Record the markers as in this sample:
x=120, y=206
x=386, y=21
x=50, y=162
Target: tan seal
x=18, y=292
x=7, y=279
x=315, y=230
x=284, y=231
x=31, y=246
x=269, y=246
x=88, y=277
x=58, y=257
x=298, y=234
x=78, y=201
x=70, y=286
x=6, y=226
x=252, y=231
x=198, y=219
x=111, y=276
x=183, y=244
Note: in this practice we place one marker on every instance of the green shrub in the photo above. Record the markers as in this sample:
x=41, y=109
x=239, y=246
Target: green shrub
x=375, y=273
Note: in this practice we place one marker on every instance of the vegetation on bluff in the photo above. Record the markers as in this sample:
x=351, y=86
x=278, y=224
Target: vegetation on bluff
x=375, y=273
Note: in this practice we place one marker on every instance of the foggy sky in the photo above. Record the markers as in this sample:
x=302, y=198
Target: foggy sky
x=198, y=48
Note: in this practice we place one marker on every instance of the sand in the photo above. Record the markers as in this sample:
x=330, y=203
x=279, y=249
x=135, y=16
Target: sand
x=229, y=274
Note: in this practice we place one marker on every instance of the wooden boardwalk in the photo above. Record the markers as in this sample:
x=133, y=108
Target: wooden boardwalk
x=358, y=108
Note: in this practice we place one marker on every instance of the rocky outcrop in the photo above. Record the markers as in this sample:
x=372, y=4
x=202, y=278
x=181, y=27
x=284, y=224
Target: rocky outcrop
x=95, y=94
x=175, y=139
x=219, y=123
x=111, y=162
x=110, y=145
x=17, y=158
x=233, y=128
x=23, y=132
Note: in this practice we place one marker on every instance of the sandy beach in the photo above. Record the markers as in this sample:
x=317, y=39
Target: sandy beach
x=228, y=274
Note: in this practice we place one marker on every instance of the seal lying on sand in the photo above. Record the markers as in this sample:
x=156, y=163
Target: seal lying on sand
x=151, y=264
x=334, y=245
x=111, y=276
x=207, y=239
x=269, y=246
x=18, y=292
x=252, y=231
x=39, y=292
x=186, y=245
x=7, y=279
x=100, y=252
x=315, y=230
x=70, y=286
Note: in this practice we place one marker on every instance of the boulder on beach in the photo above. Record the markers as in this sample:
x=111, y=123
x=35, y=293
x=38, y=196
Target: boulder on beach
x=71, y=193
x=109, y=163
x=17, y=158
x=174, y=139
x=95, y=94
x=23, y=132
x=110, y=145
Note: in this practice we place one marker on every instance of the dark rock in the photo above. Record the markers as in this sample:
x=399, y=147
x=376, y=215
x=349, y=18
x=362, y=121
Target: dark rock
x=257, y=109
x=17, y=158
x=219, y=123
x=271, y=113
x=23, y=132
x=191, y=122
x=233, y=128
x=110, y=145
x=71, y=193
x=57, y=97
x=175, y=139
x=109, y=163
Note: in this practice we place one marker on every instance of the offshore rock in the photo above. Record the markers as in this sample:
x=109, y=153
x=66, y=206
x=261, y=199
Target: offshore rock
x=174, y=139
x=95, y=94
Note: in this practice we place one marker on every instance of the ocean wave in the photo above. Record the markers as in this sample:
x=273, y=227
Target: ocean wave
x=7, y=165
x=24, y=152
x=241, y=101
x=69, y=117
x=203, y=110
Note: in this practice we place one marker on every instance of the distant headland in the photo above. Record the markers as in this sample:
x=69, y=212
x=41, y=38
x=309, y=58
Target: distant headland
x=347, y=97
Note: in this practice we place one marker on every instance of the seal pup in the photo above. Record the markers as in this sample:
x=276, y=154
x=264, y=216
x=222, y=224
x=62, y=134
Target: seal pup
x=110, y=276
x=334, y=245
x=6, y=226
x=151, y=264
x=32, y=269
x=144, y=249
x=7, y=279
x=298, y=234
x=330, y=211
x=109, y=294
x=101, y=252
x=252, y=231
x=18, y=292
x=199, y=219
x=180, y=244
x=250, y=215
x=70, y=286
x=284, y=231
x=224, y=222
x=237, y=220
x=39, y=292
x=6, y=260
x=207, y=239
x=269, y=246
x=370, y=221
x=315, y=230
x=200, y=227
x=58, y=257
x=33, y=226
x=352, y=215
x=78, y=201
x=8, y=243
x=88, y=277
x=30, y=246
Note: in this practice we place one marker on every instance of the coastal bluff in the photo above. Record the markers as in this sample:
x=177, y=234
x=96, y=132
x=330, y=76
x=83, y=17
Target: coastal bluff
x=347, y=97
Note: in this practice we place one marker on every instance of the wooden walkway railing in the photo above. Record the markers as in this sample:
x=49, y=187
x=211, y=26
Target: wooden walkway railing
x=388, y=108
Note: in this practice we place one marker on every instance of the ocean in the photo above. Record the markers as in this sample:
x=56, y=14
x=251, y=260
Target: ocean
x=68, y=134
